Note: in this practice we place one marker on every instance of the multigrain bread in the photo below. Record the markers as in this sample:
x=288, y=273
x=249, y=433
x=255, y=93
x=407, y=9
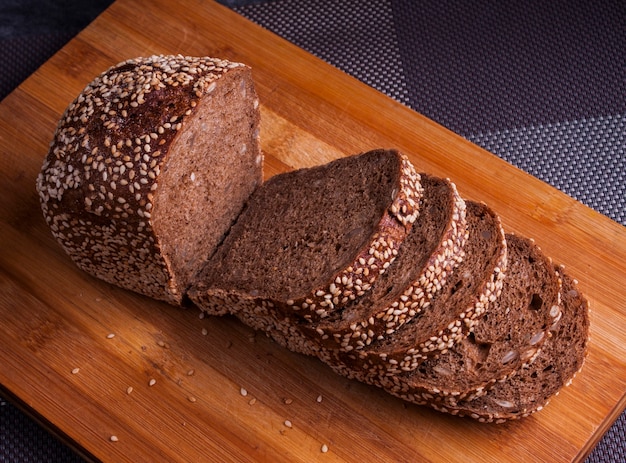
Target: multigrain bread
x=473, y=285
x=312, y=240
x=431, y=252
x=153, y=183
x=149, y=167
x=505, y=338
x=558, y=362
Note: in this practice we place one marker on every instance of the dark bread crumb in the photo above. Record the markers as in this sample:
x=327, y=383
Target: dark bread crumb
x=504, y=339
x=308, y=238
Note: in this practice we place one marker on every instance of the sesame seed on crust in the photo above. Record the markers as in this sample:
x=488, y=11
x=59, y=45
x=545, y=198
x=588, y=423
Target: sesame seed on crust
x=98, y=181
x=353, y=334
x=372, y=261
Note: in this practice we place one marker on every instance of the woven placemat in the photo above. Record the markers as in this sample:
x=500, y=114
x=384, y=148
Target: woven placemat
x=540, y=84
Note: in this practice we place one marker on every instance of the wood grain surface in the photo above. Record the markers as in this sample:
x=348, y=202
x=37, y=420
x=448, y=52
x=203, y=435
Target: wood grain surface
x=60, y=360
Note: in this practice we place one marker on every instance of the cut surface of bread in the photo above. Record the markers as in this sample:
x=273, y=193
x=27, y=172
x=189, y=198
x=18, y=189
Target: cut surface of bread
x=467, y=293
x=149, y=167
x=504, y=338
x=431, y=251
x=561, y=358
x=313, y=239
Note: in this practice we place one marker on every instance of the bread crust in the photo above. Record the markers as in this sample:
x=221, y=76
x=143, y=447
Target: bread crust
x=98, y=183
x=359, y=326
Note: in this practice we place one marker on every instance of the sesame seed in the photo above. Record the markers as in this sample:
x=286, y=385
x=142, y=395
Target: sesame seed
x=113, y=438
x=324, y=448
x=152, y=382
x=129, y=389
x=110, y=335
x=243, y=392
x=75, y=371
x=288, y=423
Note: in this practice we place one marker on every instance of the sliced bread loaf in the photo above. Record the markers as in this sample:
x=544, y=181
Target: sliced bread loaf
x=311, y=240
x=560, y=359
x=504, y=338
x=467, y=293
x=432, y=250
x=149, y=167
x=153, y=183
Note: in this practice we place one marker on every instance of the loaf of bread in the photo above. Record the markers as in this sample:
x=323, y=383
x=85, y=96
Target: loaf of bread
x=153, y=182
x=149, y=167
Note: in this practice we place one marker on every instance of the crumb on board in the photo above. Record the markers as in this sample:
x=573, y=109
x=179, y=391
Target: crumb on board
x=163, y=344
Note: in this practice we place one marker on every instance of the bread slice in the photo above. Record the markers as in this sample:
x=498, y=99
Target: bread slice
x=531, y=388
x=431, y=252
x=467, y=293
x=311, y=240
x=149, y=167
x=504, y=339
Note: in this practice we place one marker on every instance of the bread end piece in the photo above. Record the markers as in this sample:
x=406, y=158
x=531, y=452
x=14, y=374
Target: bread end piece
x=148, y=168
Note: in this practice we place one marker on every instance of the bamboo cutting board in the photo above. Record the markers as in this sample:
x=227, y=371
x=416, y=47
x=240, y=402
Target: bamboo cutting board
x=81, y=355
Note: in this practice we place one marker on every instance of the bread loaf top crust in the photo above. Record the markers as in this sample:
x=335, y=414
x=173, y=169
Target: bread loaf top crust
x=100, y=177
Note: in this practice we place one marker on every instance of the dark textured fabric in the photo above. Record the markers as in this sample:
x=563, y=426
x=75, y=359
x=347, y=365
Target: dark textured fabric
x=31, y=31
x=527, y=81
x=21, y=56
x=23, y=441
x=540, y=84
